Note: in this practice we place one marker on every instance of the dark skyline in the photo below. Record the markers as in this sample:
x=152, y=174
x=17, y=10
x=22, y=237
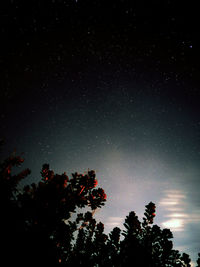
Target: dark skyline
x=112, y=87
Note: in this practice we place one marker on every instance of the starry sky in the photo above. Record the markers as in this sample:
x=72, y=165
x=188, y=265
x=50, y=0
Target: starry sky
x=111, y=86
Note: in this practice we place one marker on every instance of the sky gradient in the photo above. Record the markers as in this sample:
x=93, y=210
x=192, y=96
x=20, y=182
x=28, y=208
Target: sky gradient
x=112, y=87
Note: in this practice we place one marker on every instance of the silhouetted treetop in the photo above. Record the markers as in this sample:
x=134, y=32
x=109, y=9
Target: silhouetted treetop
x=38, y=229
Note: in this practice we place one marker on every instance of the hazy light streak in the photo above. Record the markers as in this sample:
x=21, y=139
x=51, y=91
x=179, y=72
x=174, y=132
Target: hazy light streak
x=174, y=224
x=172, y=202
x=176, y=196
x=175, y=209
x=178, y=215
x=114, y=221
x=166, y=203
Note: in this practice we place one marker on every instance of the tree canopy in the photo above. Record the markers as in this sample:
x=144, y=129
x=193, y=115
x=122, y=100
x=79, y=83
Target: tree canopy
x=37, y=225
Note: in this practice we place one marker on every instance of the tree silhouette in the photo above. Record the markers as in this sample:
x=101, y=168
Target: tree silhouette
x=41, y=225
x=40, y=213
x=11, y=223
x=114, y=247
x=198, y=260
x=186, y=260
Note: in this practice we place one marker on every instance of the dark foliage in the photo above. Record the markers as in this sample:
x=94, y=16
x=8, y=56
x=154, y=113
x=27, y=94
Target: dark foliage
x=198, y=260
x=40, y=225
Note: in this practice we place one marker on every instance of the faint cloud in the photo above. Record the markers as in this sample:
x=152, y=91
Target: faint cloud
x=178, y=215
x=178, y=212
x=174, y=224
x=173, y=203
x=114, y=221
x=175, y=209
x=166, y=202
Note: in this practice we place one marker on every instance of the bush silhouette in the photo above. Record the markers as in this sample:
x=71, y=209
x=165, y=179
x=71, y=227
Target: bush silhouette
x=41, y=226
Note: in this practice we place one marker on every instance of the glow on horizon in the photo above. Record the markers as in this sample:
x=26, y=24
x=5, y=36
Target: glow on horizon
x=172, y=202
x=174, y=224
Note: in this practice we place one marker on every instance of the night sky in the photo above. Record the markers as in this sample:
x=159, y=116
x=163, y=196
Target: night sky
x=111, y=86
